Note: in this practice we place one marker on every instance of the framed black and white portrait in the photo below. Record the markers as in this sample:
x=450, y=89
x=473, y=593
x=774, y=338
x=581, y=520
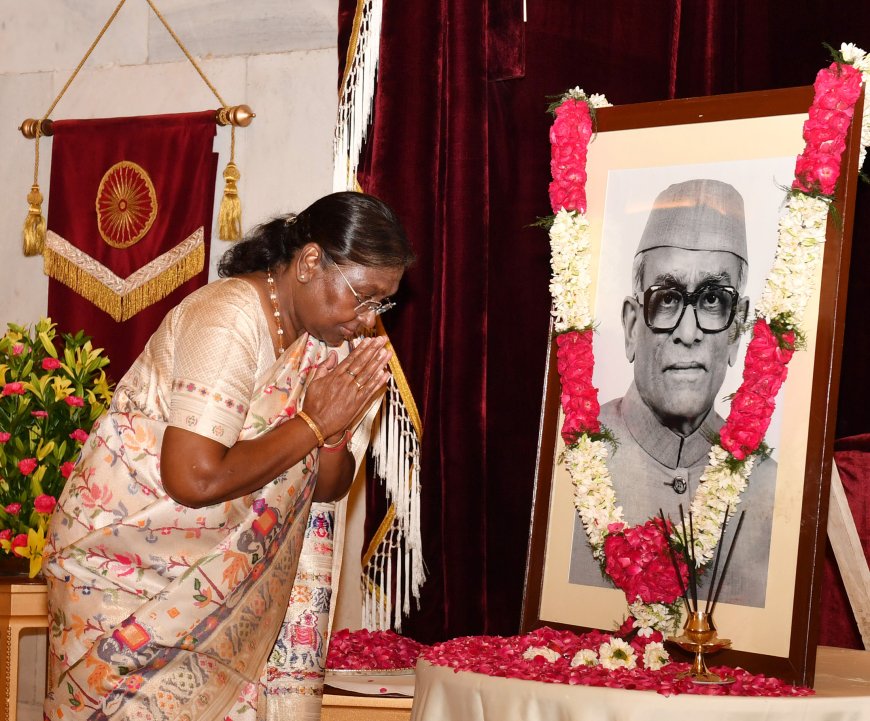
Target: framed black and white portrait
x=645, y=162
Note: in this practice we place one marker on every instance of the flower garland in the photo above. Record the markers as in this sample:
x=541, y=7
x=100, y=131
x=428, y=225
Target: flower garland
x=786, y=293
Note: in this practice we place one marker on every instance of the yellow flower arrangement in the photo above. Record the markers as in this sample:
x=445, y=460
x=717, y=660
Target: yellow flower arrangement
x=52, y=389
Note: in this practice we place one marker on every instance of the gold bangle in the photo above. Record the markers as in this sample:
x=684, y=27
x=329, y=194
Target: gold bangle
x=313, y=426
x=345, y=437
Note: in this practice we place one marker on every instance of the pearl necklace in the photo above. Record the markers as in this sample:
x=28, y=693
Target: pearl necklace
x=276, y=311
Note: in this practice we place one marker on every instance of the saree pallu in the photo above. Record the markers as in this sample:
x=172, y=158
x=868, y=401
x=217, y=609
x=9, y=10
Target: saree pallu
x=167, y=612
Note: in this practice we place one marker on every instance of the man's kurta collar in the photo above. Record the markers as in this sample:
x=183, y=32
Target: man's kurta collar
x=668, y=448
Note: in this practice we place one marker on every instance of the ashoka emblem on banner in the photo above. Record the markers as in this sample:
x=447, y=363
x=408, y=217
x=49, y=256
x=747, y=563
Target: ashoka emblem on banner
x=126, y=204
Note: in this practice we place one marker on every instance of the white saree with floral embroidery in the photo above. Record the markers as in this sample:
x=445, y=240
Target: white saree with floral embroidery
x=159, y=611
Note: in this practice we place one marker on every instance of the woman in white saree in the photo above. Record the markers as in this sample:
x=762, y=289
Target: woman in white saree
x=172, y=553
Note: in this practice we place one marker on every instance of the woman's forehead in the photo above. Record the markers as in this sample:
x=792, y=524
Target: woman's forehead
x=376, y=280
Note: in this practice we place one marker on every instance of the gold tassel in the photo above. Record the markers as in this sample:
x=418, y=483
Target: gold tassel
x=34, y=224
x=230, y=215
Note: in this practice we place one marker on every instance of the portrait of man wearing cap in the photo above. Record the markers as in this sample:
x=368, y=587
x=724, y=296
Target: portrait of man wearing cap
x=682, y=322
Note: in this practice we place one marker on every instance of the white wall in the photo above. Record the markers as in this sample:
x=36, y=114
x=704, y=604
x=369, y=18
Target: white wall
x=278, y=56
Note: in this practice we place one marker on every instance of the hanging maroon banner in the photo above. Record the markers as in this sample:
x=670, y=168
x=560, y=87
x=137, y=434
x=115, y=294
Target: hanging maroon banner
x=129, y=224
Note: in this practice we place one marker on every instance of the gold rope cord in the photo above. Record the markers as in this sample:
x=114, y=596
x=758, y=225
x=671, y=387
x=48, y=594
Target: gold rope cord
x=230, y=225
x=88, y=54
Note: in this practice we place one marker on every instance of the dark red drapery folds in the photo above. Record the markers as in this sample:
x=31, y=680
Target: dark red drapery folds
x=838, y=626
x=176, y=153
x=459, y=146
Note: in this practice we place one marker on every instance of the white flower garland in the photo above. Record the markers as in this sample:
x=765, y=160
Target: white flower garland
x=786, y=293
x=570, y=280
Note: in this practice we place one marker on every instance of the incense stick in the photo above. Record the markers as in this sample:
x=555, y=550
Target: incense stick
x=673, y=557
x=727, y=561
x=693, y=582
x=716, y=562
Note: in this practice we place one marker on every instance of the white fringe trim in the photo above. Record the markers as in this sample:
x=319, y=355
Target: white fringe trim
x=396, y=452
x=357, y=98
x=388, y=584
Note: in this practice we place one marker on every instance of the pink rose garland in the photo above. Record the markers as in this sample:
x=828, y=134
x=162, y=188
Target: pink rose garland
x=638, y=562
x=579, y=398
x=569, y=139
x=764, y=371
x=818, y=167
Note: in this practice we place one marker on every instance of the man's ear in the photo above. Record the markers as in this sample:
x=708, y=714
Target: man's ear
x=630, y=319
x=737, y=328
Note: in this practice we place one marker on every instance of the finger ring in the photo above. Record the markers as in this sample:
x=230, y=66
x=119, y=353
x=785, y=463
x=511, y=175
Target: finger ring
x=358, y=384
x=350, y=373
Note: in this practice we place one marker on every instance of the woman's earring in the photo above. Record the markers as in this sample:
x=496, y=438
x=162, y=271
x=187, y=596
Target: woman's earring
x=302, y=277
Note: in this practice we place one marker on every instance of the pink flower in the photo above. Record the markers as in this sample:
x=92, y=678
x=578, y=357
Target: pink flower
x=44, y=503
x=639, y=563
x=79, y=435
x=17, y=349
x=20, y=541
x=5, y=436
x=579, y=397
x=569, y=138
x=13, y=509
x=74, y=401
x=50, y=364
x=764, y=371
x=504, y=656
x=27, y=466
x=39, y=414
x=16, y=388
x=5, y=534
x=67, y=468
x=818, y=167
x=370, y=649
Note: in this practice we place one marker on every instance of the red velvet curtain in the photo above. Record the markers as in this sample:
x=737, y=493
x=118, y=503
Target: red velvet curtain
x=459, y=147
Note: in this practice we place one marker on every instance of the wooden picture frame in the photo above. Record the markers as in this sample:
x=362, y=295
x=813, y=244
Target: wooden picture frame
x=662, y=140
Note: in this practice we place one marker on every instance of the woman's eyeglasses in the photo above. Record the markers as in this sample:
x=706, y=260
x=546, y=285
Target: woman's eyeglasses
x=367, y=306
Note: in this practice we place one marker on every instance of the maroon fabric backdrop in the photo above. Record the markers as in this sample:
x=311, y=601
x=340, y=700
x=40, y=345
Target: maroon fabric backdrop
x=459, y=147
x=176, y=152
x=838, y=627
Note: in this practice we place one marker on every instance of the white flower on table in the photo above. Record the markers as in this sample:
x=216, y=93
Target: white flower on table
x=585, y=657
x=617, y=654
x=655, y=656
x=532, y=652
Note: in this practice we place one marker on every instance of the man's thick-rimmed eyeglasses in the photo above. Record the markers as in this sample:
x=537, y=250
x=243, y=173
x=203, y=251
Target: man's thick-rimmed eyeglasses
x=714, y=305
x=367, y=306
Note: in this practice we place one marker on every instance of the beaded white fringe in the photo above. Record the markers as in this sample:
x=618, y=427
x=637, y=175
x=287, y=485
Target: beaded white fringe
x=394, y=571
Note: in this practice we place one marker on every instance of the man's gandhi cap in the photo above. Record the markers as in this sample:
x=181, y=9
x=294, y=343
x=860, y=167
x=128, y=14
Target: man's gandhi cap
x=698, y=214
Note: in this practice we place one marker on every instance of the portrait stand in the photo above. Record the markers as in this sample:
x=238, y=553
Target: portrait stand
x=850, y=557
x=779, y=636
